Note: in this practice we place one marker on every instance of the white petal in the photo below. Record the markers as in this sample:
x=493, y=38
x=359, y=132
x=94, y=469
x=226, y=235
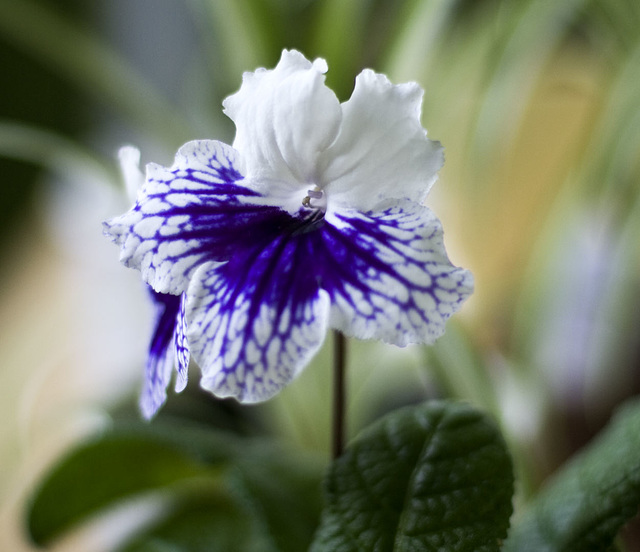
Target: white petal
x=129, y=158
x=285, y=118
x=382, y=150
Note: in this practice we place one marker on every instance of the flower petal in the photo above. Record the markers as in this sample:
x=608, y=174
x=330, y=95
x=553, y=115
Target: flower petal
x=129, y=158
x=181, y=346
x=388, y=274
x=256, y=321
x=162, y=353
x=382, y=150
x=186, y=215
x=285, y=118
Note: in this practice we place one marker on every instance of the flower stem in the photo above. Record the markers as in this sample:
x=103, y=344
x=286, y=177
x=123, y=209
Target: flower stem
x=339, y=353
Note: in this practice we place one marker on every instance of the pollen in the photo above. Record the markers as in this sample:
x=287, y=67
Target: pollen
x=316, y=193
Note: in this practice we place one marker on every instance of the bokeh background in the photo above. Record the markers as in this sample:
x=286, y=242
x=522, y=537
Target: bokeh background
x=538, y=106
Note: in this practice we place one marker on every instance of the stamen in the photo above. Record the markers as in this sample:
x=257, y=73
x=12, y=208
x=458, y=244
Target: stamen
x=316, y=193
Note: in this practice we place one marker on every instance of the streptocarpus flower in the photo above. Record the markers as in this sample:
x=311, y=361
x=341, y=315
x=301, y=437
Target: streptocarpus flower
x=312, y=220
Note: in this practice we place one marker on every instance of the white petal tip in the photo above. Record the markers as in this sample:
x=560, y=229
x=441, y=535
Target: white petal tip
x=129, y=157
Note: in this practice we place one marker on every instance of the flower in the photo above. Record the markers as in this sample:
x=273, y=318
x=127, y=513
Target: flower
x=313, y=219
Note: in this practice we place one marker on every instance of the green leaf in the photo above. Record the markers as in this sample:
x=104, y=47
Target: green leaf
x=283, y=493
x=591, y=498
x=205, y=523
x=431, y=477
x=222, y=492
x=269, y=502
x=123, y=463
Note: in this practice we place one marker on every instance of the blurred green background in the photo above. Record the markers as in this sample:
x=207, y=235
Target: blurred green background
x=537, y=103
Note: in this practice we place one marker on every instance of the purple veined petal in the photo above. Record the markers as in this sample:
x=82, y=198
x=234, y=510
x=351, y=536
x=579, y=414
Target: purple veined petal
x=181, y=345
x=256, y=321
x=162, y=352
x=388, y=274
x=196, y=211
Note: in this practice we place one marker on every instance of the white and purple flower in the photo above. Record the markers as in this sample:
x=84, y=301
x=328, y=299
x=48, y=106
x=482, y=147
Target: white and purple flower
x=312, y=220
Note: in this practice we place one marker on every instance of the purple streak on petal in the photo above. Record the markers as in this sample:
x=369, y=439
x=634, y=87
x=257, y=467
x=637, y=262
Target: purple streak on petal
x=388, y=274
x=194, y=212
x=162, y=353
x=257, y=320
x=181, y=346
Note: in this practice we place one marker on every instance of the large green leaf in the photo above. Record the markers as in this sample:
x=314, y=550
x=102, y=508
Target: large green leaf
x=432, y=477
x=591, y=498
x=202, y=523
x=269, y=501
x=120, y=464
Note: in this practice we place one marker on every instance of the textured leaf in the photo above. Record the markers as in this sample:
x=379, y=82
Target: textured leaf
x=590, y=499
x=118, y=465
x=432, y=477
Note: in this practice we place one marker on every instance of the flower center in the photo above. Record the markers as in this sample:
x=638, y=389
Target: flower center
x=315, y=199
x=316, y=203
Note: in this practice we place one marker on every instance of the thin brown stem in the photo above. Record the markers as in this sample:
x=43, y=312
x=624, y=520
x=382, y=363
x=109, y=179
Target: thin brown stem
x=339, y=393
